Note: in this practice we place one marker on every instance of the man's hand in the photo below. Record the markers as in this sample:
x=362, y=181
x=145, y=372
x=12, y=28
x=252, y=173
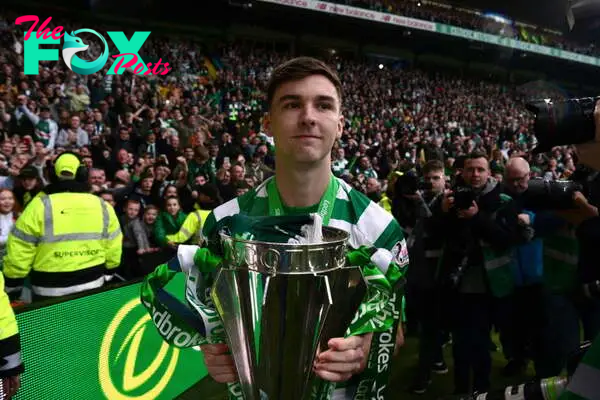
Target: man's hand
x=72, y=136
x=469, y=212
x=524, y=219
x=584, y=206
x=344, y=358
x=11, y=384
x=219, y=363
x=447, y=201
x=399, y=339
x=123, y=175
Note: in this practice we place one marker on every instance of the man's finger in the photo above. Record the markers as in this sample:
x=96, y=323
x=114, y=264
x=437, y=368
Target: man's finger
x=339, y=367
x=215, y=349
x=346, y=356
x=341, y=344
x=223, y=374
x=210, y=359
x=332, y=376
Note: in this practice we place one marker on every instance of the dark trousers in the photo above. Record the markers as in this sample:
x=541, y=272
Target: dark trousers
x=471, y=342
x=426, y=305
x=520, y=319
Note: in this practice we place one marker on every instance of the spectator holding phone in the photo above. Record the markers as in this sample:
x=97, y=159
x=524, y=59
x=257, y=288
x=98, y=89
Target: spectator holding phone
x=46, y=130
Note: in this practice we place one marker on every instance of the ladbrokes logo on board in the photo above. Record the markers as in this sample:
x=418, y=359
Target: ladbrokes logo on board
x=123, y=373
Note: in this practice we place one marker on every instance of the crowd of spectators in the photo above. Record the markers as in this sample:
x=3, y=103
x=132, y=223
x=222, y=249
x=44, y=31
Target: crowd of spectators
x=472, y=19
x=147, y=139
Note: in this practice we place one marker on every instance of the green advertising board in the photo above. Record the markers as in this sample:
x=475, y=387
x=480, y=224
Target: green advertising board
x=103, y=346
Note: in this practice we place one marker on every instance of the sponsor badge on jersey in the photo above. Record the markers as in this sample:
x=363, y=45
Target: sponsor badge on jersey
x=400, y=252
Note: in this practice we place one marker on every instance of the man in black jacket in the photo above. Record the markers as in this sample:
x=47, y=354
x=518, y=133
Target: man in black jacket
x=480, y=227
x=425, y=247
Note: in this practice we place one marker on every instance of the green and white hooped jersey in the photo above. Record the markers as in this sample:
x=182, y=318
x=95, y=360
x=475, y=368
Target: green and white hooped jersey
x=367, y=223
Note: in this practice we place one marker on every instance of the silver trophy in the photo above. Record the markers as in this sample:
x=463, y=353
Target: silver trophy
x=280, y=304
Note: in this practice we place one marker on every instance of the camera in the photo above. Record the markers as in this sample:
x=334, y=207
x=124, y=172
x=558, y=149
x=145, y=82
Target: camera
x=559, y=123
x=464, y=197
x=555, y=195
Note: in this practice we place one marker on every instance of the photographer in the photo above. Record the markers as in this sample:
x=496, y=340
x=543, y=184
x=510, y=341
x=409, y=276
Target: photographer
x=547, y=305
x=425, y=247
x=481, y=228
x=517, y=315
x=585, y=383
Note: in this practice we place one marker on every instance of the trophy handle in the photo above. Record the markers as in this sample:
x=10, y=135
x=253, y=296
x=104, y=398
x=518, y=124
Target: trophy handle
x=348, y=291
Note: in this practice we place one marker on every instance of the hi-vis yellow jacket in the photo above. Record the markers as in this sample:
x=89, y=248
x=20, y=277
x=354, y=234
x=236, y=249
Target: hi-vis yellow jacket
x=10, y=345
x=67, y=241
x=192, y=226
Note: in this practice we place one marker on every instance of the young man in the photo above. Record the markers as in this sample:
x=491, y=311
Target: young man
x=305, y=119
x=476, y=267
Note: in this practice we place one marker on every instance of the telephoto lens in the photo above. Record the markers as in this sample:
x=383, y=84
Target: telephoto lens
x=559, y=123
x=554, y=195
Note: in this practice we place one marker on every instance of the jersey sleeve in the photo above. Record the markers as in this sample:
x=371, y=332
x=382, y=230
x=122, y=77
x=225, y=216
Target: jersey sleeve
x=392, y=239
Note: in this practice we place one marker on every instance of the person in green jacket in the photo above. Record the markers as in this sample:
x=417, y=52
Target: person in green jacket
x=168, y=222
x=207, y=198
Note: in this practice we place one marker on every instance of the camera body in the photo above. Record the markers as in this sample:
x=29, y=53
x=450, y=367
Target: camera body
x=464, y=196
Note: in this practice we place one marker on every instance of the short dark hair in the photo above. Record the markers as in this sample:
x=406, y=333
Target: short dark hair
x=433, y=165
x=103, y=192
x=151, y=207
x=242, y=185
x=300, y=68
x=133, y=201
x=477, y=154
